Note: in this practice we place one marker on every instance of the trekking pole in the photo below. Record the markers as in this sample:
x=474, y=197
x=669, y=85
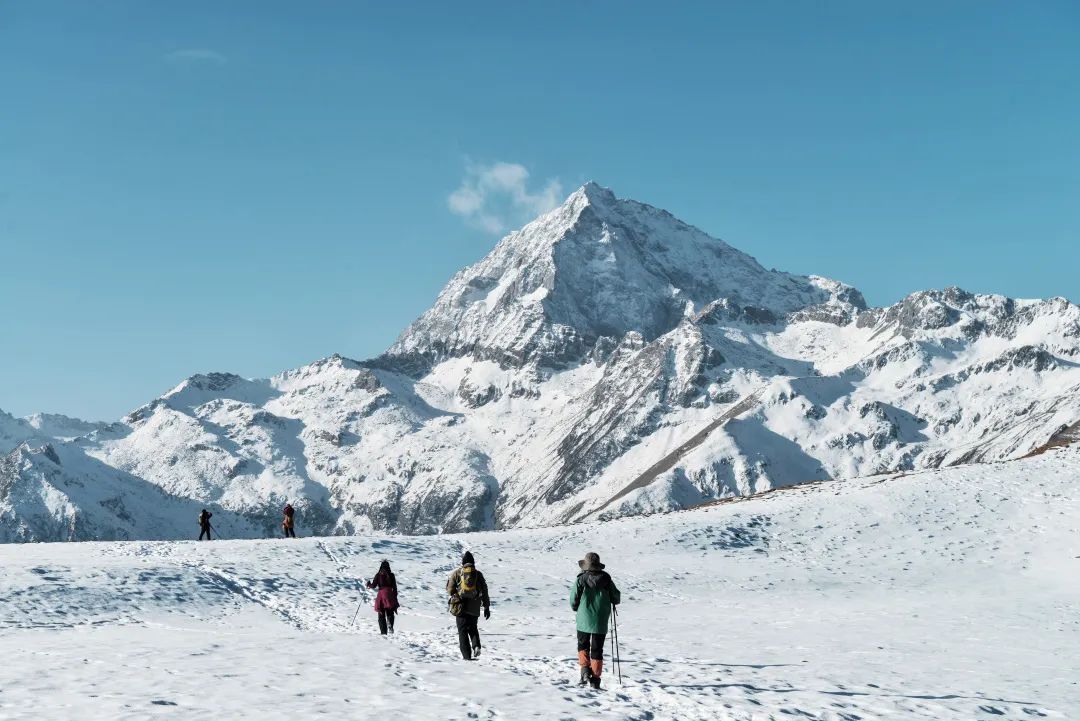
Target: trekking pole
x=615, y=641
x=353, y=621
x=614, y=663
x=214, y=530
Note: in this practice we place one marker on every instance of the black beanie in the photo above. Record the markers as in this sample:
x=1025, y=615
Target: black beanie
x=467, y=559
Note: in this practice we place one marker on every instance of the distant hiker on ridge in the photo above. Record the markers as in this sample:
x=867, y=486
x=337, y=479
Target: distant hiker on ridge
x=593, y=596
x=468, y=593
x=204, y=524
x=386, y=603
x=287, y=521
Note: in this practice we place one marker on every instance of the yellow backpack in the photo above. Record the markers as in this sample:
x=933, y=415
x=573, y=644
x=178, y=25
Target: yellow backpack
x=467, y=583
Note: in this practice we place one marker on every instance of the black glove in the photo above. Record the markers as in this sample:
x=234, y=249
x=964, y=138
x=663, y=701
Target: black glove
x=487, y=613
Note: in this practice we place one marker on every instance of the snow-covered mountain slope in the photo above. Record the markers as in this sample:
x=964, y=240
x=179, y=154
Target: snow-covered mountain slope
x=57, y=492
x=944, y=594
x=605, y=360
x=41, y=428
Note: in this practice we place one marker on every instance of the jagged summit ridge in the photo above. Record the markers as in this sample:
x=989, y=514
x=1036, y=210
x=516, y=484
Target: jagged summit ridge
x=601, y=267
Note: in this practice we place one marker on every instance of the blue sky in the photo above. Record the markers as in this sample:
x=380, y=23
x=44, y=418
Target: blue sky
x=249, y=186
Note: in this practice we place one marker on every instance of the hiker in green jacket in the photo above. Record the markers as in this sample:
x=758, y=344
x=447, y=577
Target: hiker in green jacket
x=593, y=596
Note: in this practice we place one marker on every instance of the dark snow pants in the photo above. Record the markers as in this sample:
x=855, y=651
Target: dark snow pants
x=386, y=619
x=468, y=635
x=205, y=531
x=592, y=644
x=590, y=651
x=289, y=532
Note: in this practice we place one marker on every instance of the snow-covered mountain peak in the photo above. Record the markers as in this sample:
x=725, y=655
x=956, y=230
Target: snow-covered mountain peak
x=599, y=266
x=203, y=387
x=335, y=370
x=60, y=426
x=40, y=428
x=956, y=313
x=592, y=193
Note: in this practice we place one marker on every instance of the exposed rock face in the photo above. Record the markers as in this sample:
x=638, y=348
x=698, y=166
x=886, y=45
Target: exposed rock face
x=582, y=369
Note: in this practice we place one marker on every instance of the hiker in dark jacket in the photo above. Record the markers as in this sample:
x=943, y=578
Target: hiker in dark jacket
x=204, y=524
x=386, y=603
x=593, y=596
x=287, y=521
x=468, y=594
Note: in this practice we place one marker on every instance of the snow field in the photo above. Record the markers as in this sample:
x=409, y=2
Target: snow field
x=934, y=595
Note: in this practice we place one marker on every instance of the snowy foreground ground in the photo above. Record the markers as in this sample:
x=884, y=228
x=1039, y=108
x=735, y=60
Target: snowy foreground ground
x=938, y=595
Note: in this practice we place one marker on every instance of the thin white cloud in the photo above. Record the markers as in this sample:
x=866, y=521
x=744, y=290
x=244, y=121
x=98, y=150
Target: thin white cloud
x=196, y=56
x=496, y=196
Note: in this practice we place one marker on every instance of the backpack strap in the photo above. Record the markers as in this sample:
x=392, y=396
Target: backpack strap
x=579, y=588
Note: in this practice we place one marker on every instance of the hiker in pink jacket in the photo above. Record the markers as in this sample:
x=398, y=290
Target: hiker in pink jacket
x=386, y=603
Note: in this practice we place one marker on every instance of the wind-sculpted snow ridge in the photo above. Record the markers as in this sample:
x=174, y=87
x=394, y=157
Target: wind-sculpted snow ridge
x=934, y=595
x=605, y=360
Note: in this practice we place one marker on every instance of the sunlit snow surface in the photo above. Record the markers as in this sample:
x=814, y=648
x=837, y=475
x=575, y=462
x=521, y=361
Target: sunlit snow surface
x=948, y=594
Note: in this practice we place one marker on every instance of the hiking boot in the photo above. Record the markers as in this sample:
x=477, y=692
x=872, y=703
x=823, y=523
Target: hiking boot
x=586, y=676
x=476, y=652
x=596, y=667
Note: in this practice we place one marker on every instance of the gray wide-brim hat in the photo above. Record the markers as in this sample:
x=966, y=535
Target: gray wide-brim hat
x=591, y=562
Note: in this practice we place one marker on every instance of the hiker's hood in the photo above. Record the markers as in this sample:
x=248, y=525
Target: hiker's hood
x=596, y=579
